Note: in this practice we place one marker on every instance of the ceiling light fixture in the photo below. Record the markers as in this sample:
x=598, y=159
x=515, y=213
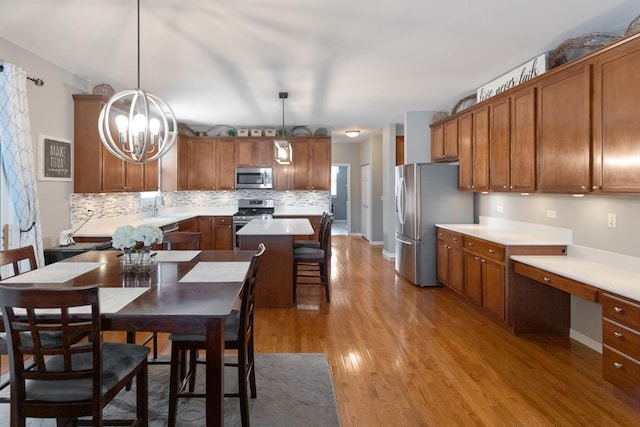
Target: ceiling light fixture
x=146, y=132
x=352, y=133
x=282, y=147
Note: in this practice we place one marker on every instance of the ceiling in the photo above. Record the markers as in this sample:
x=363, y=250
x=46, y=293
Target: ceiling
x=345, y=63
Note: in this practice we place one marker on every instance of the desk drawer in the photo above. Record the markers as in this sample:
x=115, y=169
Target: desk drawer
x=484, y=249
x=620, y=310
x=620, y=370
x=567, y=285
x=621, y=338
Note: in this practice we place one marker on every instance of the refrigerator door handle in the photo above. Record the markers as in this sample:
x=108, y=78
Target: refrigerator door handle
x=400, y=200
x=404, y=240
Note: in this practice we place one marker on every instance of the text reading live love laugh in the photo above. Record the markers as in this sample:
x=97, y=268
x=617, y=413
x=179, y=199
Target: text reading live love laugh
x=518, y=76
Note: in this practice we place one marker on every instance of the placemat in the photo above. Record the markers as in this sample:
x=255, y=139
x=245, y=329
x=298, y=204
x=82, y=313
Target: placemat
x=175, y=256
x=217, y=272
x=59, y=272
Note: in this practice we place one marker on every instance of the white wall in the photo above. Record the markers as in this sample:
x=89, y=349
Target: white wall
x=350, y=153
x=417, y=136
x=51, y=112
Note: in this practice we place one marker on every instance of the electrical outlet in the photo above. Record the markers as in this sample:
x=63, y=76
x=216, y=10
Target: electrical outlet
x=551, y=213
x=611, y=220
x=500, y=208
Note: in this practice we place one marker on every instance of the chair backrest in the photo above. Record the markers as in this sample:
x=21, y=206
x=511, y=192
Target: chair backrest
x=26, y=322
x=181, y=240
x=14, y=256
x=325, y=235
x=248, y=294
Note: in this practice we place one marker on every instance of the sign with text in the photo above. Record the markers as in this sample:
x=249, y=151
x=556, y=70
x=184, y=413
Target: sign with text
x=519, y=75
x=54, y=159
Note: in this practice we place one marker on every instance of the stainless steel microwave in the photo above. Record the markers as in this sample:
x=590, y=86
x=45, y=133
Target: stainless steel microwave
x=254, y=178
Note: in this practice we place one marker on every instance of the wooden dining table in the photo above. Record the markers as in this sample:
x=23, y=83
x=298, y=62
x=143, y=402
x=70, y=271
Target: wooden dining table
x=164, y=302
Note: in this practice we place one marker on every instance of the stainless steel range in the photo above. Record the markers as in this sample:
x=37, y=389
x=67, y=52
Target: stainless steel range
x=249, y=209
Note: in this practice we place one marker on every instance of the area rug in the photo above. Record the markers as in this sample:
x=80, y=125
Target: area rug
x=294, y=389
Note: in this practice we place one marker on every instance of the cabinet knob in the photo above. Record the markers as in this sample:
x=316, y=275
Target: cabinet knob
x=617, y=365
x=455, y=239
x=617, y=334
x=618, y=309
x=477, y=258
x=546, y=279
x=583, y=187
x=470, y=244
x=482, y=260
x=491, y=251
x=504, y=187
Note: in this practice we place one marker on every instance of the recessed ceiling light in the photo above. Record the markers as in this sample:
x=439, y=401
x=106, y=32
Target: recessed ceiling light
x=352, y=133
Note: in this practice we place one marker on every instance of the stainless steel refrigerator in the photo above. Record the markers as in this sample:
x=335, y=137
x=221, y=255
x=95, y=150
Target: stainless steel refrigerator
x=426, y=194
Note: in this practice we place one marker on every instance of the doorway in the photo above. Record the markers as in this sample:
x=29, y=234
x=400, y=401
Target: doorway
x=341, y=198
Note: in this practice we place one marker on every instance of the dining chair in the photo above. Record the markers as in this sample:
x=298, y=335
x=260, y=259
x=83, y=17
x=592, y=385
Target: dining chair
x=68, y=380
x=311, y=243
x=238, y=336
x=311, y=265
x=175, y=240
x=13, y=258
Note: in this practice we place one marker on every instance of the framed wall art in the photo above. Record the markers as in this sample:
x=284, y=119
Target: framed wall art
x=54, y=159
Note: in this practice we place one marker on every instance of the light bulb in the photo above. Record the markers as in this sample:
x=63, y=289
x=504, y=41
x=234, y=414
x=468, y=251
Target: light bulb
x=122, y=124
x=139, y=125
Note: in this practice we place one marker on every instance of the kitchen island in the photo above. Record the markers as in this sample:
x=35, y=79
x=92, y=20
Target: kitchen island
x=275, y=280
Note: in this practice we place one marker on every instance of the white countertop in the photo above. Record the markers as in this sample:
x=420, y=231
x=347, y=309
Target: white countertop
x=620, y=281
x=506, y=232
x=277, y=227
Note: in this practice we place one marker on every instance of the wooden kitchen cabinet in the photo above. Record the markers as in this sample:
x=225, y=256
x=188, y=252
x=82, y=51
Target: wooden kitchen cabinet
x=621, y=342
x=311, y=165
x=513, y=142
x=211, y=163
x=96, y=170
x=564, y=131
x=473, y=129
x=217, y=232
x=251, y=152
x=617, y=120
x=444, y=141
x=450, y=260
x=485, y=278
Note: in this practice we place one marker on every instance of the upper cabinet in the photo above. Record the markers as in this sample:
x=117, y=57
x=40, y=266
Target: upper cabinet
x=444, y=142
x=564, y=131
x=617, y=120
x=473, y=130
x=311, y=164
x=252, y=152
x=96, y=170
x=211, y=163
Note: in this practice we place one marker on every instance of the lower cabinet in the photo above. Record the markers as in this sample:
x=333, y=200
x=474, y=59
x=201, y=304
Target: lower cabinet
x=621, y=342
x=217, y=232
x=485, y=276
x=450, y=260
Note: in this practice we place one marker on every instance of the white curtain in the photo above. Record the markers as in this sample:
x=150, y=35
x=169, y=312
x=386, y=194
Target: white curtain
x=17, y=158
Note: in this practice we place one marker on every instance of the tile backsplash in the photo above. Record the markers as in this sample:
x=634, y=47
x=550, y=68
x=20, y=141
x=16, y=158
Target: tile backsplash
x=112, y=205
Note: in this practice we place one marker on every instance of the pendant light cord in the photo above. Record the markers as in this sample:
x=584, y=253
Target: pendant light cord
x=283, y=132
x=138, y=44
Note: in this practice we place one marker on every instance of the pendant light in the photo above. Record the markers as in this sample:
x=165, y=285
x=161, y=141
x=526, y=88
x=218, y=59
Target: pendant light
x=146, y=125
x=281, y=147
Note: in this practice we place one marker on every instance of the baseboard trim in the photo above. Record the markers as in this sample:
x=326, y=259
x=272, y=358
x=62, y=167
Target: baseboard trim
x=388, y=255
x=583, y=339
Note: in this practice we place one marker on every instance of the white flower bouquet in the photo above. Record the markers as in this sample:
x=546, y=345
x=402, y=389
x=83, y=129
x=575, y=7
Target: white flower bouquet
x=135, y=243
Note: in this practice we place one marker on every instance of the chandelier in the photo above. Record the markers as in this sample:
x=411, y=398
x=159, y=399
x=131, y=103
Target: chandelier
x=281, y=147
x=146, y=126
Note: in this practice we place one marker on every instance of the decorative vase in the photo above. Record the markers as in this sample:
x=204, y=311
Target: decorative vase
x=136, y=262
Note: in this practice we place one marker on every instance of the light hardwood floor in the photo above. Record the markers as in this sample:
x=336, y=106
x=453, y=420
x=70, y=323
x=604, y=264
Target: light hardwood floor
x=407, y=356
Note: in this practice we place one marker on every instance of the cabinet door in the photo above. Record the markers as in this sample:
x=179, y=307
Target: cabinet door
x=456, y=275
x=299, y=171
x=113, y=173
x=134, y=176
x=500, y=131
x=493, y=288
x=263, y=153
x=201, y=154
x=205, y=226
x=465, y=137
x=225, y=164
x=473, y=277
x=281, y=176
x=443, y=262
x=481, y=149
x=320, y=164
x=223, y=233
x=564, y=126
x=617, y=120
x=244, y=152
x=451, y=140
x=523, y=141
x=151, y=176
x=437, y=143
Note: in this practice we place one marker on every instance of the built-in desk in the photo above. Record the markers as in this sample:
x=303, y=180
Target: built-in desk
x=275, y=280
x=540, y=304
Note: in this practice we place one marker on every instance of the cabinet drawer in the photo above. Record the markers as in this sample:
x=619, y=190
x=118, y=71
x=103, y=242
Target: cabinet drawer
x=450, y=237
x=559, y=282
x=223, y=220
x=621, y=338
x=484, y=248
x=620, y=370
x=621, y=310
